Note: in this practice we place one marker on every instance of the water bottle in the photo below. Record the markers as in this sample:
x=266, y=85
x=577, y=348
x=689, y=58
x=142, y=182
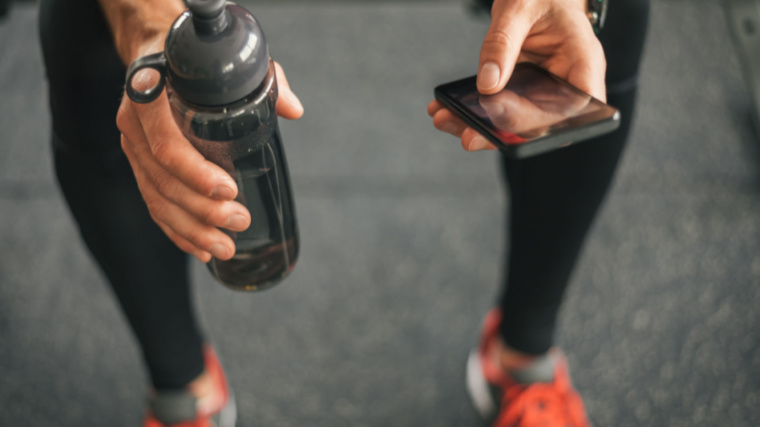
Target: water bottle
x=222, y=89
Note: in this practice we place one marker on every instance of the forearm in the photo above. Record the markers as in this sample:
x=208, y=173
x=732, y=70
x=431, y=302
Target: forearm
x=139, y=26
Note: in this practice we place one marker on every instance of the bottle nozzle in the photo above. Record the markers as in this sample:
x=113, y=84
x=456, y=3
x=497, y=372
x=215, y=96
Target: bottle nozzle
x=208, y=16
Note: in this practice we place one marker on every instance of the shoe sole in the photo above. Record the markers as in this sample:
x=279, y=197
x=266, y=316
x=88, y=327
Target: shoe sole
x=228, y=415
x=478, y=388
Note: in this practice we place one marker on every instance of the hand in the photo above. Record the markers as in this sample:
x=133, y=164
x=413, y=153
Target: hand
x=555, y=34
x=187, y=196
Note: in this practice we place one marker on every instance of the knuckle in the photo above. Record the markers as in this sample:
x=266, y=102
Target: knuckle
x=164, y=185
x=161, y=150
x=600, y=57
x=122, y=118
x=158, y=221
x=498, y=38
x=157, y=209
x=211, y=215
x=198, y=237
x=593, y=46
x=125, y=147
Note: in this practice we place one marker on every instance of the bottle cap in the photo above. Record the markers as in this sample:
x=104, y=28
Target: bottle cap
x=216, y=53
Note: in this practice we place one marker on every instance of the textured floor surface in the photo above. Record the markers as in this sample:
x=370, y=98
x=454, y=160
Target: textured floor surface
x=402, y=236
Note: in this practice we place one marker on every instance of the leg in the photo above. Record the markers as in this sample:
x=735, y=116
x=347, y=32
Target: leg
x=147, y=273
x=555, y=197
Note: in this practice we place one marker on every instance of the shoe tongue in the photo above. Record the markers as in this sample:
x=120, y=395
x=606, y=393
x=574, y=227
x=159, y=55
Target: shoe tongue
x=540, y=370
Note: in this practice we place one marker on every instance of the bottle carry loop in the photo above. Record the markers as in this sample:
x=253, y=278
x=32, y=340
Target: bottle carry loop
x=157, y=61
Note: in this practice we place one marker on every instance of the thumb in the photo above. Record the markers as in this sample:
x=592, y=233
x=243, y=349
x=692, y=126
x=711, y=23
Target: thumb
x=500, y=50
x=288, y=106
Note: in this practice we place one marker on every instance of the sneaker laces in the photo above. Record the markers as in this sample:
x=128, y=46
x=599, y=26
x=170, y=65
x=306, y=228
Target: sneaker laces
x=540, y=405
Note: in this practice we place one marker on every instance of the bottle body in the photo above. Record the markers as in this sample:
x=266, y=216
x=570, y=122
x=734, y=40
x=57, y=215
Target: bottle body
x=244, y=139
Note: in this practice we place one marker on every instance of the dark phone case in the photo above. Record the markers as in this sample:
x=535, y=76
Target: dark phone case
x=579, y=129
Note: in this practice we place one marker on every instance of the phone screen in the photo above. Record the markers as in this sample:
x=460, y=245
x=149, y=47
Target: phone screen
x=534, y=106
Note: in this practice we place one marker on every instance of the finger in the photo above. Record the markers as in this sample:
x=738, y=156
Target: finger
x=433, y=107
x=501, y=47
x=184, y=245
x=288, y=105
x=201, y=236
x=473, y=141
x=180, y=242
x=588, y=69
x=153, y=125
x=444, y=120
x=218, y=213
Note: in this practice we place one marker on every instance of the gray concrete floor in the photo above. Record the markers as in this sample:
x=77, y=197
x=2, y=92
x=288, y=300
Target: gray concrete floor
x=402, y=240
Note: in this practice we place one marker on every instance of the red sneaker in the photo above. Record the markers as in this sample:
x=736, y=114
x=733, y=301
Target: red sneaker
x=182, y=409
x=507, y=403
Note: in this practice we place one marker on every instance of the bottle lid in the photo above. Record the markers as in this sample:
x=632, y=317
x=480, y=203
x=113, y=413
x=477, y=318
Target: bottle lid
x=216, y=53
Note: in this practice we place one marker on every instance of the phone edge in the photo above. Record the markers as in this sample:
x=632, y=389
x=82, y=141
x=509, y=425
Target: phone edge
x=543, y=145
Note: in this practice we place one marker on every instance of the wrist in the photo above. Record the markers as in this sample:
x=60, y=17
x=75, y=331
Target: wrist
x=133, y=46
x=140, y=27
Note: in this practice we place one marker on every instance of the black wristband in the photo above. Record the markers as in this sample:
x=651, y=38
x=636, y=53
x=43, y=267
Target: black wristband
x=597, y=13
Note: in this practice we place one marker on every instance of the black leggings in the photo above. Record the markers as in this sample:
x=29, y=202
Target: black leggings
x=148, y=274
x=555, y=196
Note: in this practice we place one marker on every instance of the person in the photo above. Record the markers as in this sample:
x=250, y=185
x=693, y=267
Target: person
x=516, y=377
x=143, y=197
x=85, y=47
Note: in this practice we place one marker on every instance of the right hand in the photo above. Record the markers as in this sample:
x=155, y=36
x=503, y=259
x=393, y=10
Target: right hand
x=189, y=197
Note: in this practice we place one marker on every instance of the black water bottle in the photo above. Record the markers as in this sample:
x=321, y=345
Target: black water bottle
x=222, y=90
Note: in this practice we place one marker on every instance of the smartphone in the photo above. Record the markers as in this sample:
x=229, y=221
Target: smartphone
x=536, y=112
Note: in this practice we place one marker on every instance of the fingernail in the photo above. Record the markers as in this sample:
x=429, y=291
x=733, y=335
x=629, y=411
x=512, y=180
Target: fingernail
x=223, y=192
x=218, y=250
x=478, y=143
x=488, y=76
x=236, y=222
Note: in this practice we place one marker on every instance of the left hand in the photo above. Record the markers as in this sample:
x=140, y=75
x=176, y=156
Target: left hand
x=554, y=34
